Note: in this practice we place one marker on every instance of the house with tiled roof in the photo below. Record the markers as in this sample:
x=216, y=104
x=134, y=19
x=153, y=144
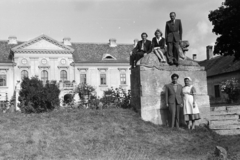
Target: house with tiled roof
x=219, y=69
x=102, y=65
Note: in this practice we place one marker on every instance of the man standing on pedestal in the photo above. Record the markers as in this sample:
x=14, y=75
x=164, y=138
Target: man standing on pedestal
x=173, y=35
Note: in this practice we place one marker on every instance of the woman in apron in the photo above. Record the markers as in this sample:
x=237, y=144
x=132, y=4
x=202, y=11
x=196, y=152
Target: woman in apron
x=190, y=107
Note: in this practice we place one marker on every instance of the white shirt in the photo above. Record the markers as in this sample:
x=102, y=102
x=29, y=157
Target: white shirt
x=158, y=39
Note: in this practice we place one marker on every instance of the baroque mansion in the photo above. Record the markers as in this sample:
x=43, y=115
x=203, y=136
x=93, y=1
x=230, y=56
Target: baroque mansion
x=102, y=65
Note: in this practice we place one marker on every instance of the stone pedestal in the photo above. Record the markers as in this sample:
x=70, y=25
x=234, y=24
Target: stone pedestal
x=148, y=95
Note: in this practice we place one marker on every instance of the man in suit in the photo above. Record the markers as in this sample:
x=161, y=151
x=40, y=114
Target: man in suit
x=142, y=48
x=174, y=99
x=173, y=35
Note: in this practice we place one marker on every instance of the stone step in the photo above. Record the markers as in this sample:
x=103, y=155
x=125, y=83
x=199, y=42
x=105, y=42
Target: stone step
x=232, y=108
x=224, y=108
x=228, y=132
x=225, y=117
x=225, y=127
x=224, y=112
x=225, y=122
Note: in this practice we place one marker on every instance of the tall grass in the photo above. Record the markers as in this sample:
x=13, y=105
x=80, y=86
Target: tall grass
x=114, y=134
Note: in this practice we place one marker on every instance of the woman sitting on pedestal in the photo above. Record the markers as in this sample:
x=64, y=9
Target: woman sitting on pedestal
x=158, y=46
x=190, y=107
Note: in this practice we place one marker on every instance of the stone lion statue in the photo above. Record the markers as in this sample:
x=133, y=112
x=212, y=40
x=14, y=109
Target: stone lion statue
x=152, y=60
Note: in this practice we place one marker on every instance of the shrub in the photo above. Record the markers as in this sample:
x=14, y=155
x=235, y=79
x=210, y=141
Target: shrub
x=86, y=92
x=34, y=97
x=118, y=98
x=232, y=88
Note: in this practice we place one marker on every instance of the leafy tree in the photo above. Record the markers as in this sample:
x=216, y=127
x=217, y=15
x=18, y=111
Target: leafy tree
x=34, y=97
x=226, y=24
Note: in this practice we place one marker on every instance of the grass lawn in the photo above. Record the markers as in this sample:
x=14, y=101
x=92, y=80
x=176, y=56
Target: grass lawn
x=107, y=134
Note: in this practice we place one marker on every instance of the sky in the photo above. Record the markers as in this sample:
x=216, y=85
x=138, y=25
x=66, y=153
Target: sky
x=96, y=21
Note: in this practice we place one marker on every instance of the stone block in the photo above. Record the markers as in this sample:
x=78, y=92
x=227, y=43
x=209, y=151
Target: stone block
x=148, y=90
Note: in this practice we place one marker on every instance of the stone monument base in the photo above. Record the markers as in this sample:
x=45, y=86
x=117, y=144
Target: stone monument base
x=148, y=96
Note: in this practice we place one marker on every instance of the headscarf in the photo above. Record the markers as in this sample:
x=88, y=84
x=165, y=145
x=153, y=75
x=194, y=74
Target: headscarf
x=188, y=78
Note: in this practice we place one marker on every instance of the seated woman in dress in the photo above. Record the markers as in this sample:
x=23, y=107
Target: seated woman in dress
x=190, y=108
x=158, y=46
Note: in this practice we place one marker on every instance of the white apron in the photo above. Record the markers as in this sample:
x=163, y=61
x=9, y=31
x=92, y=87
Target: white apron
x=188, y=101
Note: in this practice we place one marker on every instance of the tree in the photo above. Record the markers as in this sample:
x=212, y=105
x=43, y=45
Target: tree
x=226, y=24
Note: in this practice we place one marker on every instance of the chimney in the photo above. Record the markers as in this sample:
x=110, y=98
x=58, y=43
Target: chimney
x=12, y=40
x=135, y=42
x=194, y=57
x=209, y=52
x=67, y=41
x=112, y=42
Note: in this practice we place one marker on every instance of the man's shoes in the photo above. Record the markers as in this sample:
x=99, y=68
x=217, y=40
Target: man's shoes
x=170, y=63
x=177, y=64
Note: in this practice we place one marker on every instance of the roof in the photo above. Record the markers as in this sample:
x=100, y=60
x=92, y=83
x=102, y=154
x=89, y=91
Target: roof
x=82, y=52
x=91, y=52
x=220, y=65
x=5, y=51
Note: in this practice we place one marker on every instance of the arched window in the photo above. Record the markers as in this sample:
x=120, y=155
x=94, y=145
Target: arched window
x=63, y=75
x=24, y=73
x=44, y=75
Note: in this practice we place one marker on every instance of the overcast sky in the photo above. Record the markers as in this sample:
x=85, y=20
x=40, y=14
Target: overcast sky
x=100, y=20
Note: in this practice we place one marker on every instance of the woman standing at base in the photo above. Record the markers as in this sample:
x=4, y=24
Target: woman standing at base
x=190, y=108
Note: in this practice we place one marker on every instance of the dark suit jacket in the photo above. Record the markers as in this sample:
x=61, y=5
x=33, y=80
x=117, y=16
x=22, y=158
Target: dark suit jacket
x=172, y=96
x=173, y=31
x=161, y=43
x=147, y=47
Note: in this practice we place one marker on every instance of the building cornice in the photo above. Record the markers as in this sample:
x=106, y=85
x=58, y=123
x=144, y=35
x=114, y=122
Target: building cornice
x=24, y=67
x=4, y=69
x=41, y=51
x=44, y=67
x=7, y=64
x=102, y=64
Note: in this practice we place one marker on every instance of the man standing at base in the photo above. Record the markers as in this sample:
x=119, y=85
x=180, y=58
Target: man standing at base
x=173, y=94
x=173, y=35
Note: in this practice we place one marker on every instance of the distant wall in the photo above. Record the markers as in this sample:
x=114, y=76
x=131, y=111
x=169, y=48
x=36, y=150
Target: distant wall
x=216, y=80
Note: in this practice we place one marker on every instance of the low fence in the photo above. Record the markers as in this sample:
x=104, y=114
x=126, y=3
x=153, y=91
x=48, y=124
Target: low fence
x=225, y=120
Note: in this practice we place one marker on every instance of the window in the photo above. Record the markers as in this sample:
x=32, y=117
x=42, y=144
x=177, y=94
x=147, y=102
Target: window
x=24, y=73
x=83, y=78
x=217, y=91
x=2, y=104
x=3, y=80
x=108, y=57
x=63, y=75
x=44, y=75
x=123, y=79
x=103, y=79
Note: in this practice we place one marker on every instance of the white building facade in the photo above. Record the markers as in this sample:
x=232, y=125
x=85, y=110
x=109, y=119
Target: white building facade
x=100, y=65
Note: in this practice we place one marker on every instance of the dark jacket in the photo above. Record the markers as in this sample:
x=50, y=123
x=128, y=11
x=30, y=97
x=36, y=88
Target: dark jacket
x=173, y=31
x=172, y=96
x=161, y=43
x=147, y=46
